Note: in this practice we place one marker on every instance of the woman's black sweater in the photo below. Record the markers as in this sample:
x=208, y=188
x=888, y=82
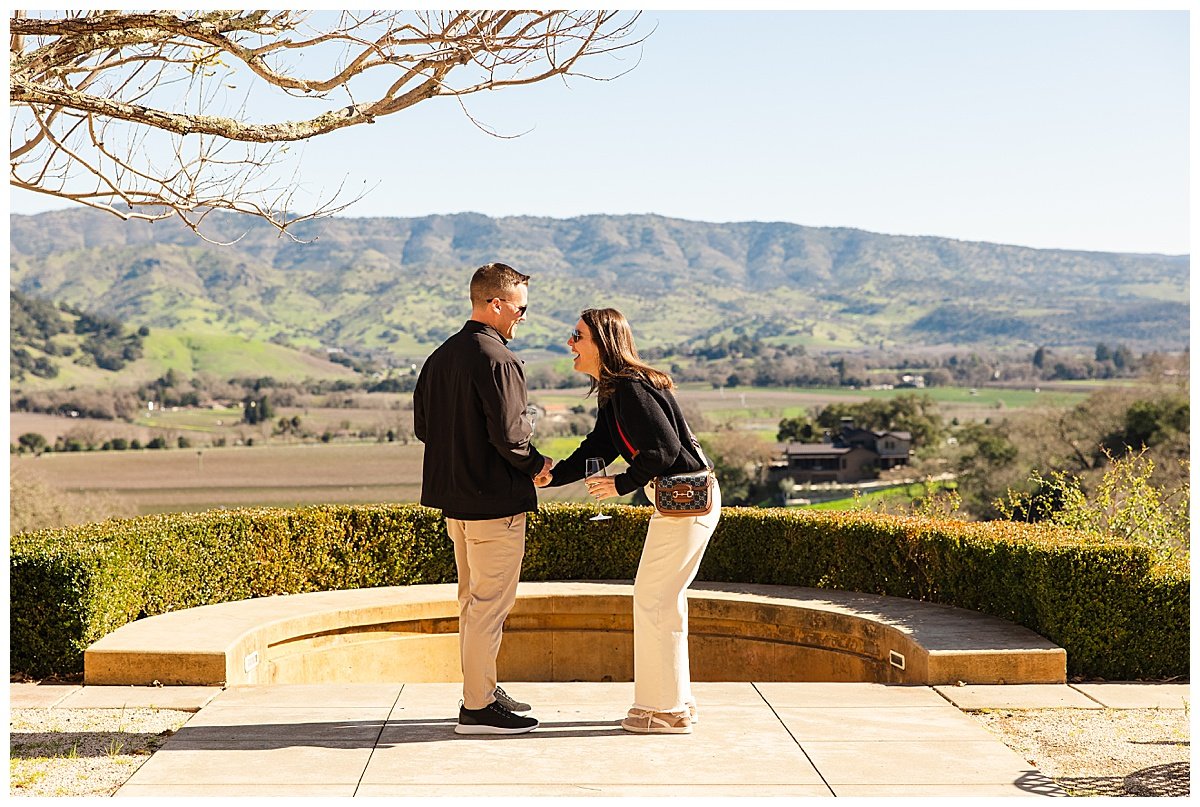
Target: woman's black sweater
x=653, y=424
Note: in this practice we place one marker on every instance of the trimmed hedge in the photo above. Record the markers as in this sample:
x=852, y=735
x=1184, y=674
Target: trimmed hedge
x=1117, y=615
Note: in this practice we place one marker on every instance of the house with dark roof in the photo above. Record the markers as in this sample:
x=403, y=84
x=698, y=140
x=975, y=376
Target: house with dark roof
x=808, y=463
x=852, y=455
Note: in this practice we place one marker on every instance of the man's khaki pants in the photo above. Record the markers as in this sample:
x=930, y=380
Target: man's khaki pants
x=488, y=555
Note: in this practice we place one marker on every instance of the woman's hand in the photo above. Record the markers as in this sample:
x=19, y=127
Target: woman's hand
x=543, y=477
x=601, y=487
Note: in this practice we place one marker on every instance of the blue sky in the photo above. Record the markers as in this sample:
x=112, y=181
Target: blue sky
x=1046, y=129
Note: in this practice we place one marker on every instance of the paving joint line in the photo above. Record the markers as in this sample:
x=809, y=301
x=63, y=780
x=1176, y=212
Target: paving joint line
x=66, y=697
x=375, y=744
x=1084, y=694
x=942, y=695
x=771, y=706
x=57, y=704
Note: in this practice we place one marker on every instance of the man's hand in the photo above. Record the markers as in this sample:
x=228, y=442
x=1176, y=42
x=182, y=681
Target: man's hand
x=543, y=477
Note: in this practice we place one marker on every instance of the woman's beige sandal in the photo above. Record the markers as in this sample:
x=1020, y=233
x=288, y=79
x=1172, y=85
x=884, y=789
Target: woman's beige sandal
x=644, y=721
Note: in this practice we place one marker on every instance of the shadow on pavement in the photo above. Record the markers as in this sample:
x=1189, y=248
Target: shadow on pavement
x=365, y=734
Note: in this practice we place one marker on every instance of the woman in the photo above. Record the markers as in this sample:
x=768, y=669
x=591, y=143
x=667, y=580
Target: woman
x=640, y=420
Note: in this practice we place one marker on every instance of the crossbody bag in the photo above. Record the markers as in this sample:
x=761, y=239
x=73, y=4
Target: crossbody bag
x=682, y=495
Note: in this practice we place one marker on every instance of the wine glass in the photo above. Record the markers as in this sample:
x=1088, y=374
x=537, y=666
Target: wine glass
x=531, y=414
x=594, y=466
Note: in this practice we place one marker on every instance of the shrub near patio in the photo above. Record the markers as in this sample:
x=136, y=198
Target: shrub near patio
x=1119, y=613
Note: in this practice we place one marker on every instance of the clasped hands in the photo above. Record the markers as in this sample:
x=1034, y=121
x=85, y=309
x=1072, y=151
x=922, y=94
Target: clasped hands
x=600, y=487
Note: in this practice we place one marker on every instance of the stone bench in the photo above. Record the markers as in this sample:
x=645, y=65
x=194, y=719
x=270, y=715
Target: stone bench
x=573, y=631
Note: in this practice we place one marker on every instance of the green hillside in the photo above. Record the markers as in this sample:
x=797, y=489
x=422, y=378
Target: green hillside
x=227, y=356
x=397, y=286
x=55, y=355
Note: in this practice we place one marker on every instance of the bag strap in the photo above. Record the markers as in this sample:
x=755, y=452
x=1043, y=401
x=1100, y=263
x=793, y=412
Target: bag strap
x=699, y=451
x=633, y=452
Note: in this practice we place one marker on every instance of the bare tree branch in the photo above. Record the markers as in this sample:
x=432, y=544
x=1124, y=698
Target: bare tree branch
x=93, y=91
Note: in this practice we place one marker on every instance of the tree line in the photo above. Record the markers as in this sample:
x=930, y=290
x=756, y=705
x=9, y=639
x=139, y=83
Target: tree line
x=909, y=412
x=753, y=361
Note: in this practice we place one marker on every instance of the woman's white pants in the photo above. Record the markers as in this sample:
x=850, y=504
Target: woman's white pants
x=670, y=559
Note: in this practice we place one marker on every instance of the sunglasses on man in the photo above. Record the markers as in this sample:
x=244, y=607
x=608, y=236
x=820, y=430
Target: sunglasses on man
x=521, y=309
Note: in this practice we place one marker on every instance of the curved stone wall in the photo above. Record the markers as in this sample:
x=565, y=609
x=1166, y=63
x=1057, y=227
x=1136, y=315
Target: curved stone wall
x=573, y=631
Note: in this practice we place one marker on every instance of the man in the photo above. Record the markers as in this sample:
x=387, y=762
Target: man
x=469, y=411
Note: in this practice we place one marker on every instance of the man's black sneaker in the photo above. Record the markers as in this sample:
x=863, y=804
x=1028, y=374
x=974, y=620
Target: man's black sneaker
x=492, y=719
x=510, y=703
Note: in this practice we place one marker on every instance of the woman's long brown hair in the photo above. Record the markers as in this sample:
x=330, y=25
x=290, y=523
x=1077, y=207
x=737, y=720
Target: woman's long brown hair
x=618, y=354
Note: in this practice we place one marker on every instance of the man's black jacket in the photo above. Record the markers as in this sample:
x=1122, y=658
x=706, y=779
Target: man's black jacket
x=469, y=411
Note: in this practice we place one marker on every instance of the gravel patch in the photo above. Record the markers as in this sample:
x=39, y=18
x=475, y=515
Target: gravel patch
x=1108, y=752
x=83, y=752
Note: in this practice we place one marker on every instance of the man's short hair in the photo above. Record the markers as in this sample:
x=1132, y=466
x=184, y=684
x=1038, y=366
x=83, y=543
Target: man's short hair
x=494, y=280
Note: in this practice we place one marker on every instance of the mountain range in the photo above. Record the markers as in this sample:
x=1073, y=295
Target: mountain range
x=398, y=285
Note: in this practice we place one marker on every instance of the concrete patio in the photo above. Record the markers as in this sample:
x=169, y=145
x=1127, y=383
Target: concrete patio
x=797, y=739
